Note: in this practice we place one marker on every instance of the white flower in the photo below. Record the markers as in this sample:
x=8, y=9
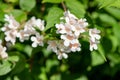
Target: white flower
x=52, y=46
x=69, y=38
x=23, y=35
x=79, y=27
x=70, y=18
x=93, y=45
x=75, y=46
x=94, y=34
x=62, y=47
x=28, y=27
x=94, y=38
x=62, y=55
x=33, y=22
x=63, y=28
x=11, y=36
x=12, y=23
x=3, y=53
x=37, y=40
x=38, y=23
x=83, y=23
x=10, y=28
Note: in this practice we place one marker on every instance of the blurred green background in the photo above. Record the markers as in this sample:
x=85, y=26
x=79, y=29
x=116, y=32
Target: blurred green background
x=27, y=63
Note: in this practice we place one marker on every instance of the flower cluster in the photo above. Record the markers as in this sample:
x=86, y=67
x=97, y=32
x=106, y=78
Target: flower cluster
x=13, y=30
x=94, y=38
x=70, y=30
x=10, y=29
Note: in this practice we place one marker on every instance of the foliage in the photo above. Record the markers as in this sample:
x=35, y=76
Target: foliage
x=28, y=63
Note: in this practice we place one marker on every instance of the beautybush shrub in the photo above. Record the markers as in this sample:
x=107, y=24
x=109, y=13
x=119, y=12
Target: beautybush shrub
x=33, y=30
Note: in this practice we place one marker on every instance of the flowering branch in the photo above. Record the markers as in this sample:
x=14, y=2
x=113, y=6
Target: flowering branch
x=70, y=29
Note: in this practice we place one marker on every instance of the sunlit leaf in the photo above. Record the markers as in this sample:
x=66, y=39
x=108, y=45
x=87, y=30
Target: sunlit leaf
x=105, y=3
x=116, y=30
x=19, y=15
x=96, y=59
x=13, y=58
x=76, y=8
x=20, y=65
x=28, y=50
x=5, y=67
x=107, y=19
x=101, y=51
x=55, y=77
x=53, y=17
x=82, y=78
x=114, y=41
x=109, y=3
x=116, y=4
x=52, y=1
x=114, y=11
x=114, y=57
x=27, y=5
x=50, y=64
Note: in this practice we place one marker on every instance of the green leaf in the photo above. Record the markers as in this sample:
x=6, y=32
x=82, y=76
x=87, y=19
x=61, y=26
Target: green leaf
x=83, y=77
x=2, y=16
x=20, y=65
x=43, y=75
x=46, y=52
x=116, y=30
x=50, y=64
x=27, y=5
x=116, y=4
x=53, y=17
x=28, y=50
x=12, y=1
x=109, y=3
x=5, y=7
x=114, y=41
x=52, y=1
x=107, y=19
x=19, y=15
x=5, y=68
x=55, y=77
x=13, y=58
x=101, y=51
x=105, y=3
x=114, y=57
x=76, y=8
x=96, y=59
x=114, y=12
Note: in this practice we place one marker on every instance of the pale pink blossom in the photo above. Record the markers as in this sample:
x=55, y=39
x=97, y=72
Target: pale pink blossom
x=12, y=23
x=23, y=35
x=37, y=40
x=94, y=34
x=38, y=23
x=93, y=45
x=10, y=28
x=52, y=45
x=62, y=55
x=69, y=38
x=79, y=27
x=75, y=46
x=64, y=28
x=30, y=28
x=10, y=36
x=94, y=38
x=70, y=18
